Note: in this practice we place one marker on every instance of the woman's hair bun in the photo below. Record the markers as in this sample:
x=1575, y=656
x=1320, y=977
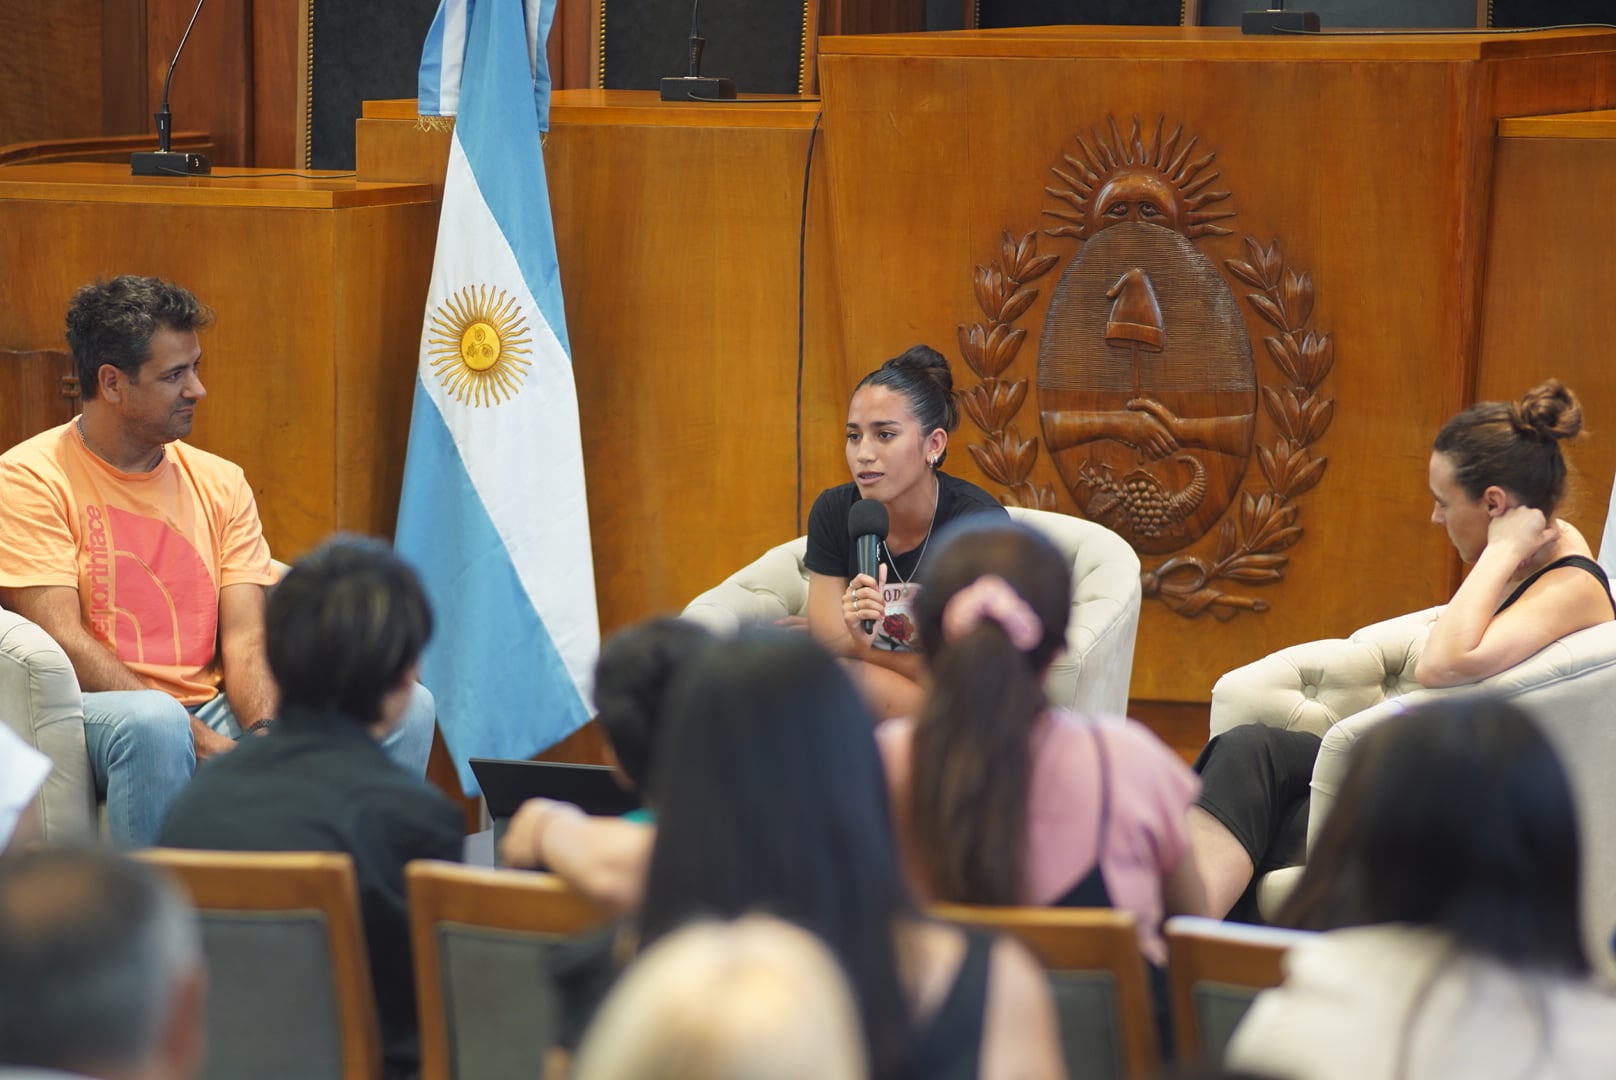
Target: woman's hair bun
x=1548, y=411
x=925, y=361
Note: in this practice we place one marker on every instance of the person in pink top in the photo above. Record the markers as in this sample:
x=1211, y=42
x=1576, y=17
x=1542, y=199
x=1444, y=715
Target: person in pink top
x=1003, y=799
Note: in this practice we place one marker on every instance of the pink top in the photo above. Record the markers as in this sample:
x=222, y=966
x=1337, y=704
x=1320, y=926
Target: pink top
x=1149, y=790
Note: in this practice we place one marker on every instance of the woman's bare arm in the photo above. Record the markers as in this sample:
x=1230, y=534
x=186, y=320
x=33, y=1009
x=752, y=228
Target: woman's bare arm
x=1183, y=891
x=1468, y=642
x=605, y=858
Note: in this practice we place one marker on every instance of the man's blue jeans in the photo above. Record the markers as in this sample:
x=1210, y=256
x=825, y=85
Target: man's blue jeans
x=139, y=742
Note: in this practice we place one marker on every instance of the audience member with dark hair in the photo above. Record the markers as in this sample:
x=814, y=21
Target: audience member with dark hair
x=1497, y=478
x=773, y=799
x=636, y=668
x=101, y=971
x=345, y=630
x=1003, y=799
x=1446, y=879
x=898, y=425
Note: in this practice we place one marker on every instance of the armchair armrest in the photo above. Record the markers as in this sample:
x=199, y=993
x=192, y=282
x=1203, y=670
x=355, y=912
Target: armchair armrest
x=770, y=588
x=1314, y=685
x=40, y=701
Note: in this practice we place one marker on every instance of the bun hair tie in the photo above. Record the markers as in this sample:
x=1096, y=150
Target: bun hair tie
x=991, y=597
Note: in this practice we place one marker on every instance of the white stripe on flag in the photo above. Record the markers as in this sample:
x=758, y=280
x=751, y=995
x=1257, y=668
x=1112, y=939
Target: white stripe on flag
x=524, y=457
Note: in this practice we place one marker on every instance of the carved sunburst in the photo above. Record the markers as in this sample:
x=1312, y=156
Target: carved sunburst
x=1112, y=179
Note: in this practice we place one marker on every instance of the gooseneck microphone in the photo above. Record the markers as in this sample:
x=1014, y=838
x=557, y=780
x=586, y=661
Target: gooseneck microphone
x=163, y=161
x=867, y=524
x=693, y=86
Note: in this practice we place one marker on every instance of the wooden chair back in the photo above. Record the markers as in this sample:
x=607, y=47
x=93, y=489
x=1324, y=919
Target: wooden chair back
x=289, y=988
x=1214, y=970
x=766, y=46
x=481, y=940
x=1102, y=991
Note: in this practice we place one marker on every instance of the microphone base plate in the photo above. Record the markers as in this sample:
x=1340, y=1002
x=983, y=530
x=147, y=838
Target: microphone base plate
x=168, y=163
x=1279, y=22
x=697, y=88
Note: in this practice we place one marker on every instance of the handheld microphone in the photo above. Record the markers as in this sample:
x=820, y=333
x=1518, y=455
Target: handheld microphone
x=693, y=86
x=163, y=161
x=867, y=525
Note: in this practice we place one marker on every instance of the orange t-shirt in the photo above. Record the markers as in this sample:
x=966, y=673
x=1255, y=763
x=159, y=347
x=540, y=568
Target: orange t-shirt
x=147, y=552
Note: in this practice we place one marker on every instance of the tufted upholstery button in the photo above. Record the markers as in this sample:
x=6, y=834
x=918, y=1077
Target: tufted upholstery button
x=1310, y=691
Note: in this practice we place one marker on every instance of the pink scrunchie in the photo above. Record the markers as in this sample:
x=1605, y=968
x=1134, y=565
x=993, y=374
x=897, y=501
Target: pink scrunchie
x=991, y=597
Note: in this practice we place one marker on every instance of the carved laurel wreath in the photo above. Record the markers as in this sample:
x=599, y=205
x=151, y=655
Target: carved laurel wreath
x=1250, y=543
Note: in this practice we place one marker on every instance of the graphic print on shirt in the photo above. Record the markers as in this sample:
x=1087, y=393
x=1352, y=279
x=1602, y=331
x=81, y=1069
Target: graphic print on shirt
x=151, y=597
x=897, y=631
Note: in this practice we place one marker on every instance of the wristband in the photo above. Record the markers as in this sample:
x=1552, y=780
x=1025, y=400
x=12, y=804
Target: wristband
x=261, y=727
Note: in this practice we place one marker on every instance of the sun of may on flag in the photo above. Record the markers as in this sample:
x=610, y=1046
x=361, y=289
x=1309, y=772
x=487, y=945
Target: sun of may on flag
x=493, y=514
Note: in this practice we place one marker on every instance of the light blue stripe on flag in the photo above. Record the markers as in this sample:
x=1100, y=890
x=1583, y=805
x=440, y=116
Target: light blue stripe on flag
x=521, y=699
x=493, y=512
x=438, y=86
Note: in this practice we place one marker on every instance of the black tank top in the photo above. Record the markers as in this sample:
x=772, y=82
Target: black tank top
x=950, y=1048
x=1582, y=562
x=1090, y=890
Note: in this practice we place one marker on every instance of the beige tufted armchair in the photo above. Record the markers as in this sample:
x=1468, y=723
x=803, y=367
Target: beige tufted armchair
x=1090, y=677
x=39, y=700
x=1341, y=688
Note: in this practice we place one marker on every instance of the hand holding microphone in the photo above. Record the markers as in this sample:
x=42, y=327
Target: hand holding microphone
x=867, y=524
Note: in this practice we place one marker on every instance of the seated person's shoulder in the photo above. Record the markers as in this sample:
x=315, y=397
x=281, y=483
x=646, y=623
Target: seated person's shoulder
x=967, y=498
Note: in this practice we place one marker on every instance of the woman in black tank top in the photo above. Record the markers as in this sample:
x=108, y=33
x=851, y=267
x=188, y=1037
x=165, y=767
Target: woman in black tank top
x=1497, y=477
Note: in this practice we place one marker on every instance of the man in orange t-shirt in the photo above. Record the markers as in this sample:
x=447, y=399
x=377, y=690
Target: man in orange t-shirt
x=145, y=559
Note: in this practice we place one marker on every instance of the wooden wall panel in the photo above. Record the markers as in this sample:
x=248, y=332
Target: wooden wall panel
x=682, y=312
x=279, y=48
x=871, y=16
x=124, y=110
x=1547, y=308
x=50, y=70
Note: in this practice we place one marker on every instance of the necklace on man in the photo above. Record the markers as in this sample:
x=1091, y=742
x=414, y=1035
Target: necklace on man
x=78, y=422
x=892, y=560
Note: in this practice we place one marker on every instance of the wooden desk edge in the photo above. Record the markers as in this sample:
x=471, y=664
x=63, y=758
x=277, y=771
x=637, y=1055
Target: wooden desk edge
x=1599, y=124
x=1218, y=43
x=643, y=108
x=111, y=183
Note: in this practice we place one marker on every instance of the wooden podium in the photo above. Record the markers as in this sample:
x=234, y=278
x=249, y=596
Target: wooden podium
x=318, y=285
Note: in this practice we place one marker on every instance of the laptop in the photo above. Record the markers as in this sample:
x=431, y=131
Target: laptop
x=508, y=784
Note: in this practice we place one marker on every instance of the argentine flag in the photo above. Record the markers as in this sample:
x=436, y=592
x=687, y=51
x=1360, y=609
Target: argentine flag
x=493, y=514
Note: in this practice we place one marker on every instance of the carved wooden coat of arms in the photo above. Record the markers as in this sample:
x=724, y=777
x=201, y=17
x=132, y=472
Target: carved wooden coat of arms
x=1147, y=387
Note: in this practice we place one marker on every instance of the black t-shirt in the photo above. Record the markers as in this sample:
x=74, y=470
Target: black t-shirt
x=830, y=551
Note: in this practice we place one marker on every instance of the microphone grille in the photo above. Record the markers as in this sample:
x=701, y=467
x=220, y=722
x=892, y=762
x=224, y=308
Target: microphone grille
x=868, y=518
